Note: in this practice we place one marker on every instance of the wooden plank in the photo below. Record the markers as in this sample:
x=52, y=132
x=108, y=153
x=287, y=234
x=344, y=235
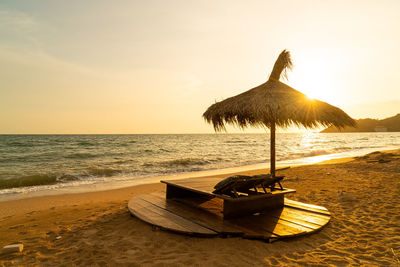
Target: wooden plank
x=143, y=210
x=307, y=212
x=253, y=229
x=308, y=221
x=193, y=181
x=251, y=205
x=309, y=225
x=292, y=228
x=197, y=183
x=286, y=228
x=308, y=216
x=138, y=209
x=189, y=180
x=303, y=207
x=266, y=225
x=174, y=191
x=204, y=188
x=189, y=188
x=165, y=219
x=293, y=219
x=305, y=204
x=258, y=234
x=214, y=205
x=295, y=228
x=271, y=224
x=192, y=227
x=205, y=219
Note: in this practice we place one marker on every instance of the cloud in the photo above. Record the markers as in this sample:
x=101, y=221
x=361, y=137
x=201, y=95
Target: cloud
x=17, y=21
x=18, y=29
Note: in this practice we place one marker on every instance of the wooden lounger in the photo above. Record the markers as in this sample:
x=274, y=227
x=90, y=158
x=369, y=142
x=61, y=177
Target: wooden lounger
x=196, y=188
x=243, y=185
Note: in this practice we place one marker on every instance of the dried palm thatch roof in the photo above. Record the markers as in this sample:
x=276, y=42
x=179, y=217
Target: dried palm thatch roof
x=274, y=102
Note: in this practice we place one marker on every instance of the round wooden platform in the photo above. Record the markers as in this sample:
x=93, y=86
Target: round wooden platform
x=203, y=217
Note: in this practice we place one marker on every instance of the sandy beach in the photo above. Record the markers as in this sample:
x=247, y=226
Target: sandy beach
x=96, y=228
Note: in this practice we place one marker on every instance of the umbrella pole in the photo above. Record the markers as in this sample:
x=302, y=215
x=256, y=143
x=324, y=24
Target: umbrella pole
x=272, y=150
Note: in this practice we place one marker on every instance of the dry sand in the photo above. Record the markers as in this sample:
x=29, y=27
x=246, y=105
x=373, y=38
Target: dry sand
x=96, y=228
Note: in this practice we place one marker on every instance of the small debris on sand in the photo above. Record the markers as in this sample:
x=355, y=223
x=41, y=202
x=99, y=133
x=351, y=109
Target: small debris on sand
x=12, y=248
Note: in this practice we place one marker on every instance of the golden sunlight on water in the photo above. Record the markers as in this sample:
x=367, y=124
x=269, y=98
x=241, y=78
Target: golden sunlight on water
x=308, y=139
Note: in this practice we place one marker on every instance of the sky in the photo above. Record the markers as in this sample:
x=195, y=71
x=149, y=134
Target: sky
x=135, y=67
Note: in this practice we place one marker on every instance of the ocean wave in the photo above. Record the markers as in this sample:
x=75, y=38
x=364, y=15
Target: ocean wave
x=19, y=144
x=122, y=144
x=186, y=162
x=29, y=180
x=123, y=161
x=183, y=162
x=32, y=157
x=101, y=171
x=81, y=156
x=85, y=143
x=314, y=153
x=53, y=178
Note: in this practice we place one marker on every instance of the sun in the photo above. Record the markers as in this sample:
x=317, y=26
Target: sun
x=317, y=78
x=316, y=89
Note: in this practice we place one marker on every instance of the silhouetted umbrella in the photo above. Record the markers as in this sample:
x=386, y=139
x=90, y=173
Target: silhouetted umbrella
x=274, y=103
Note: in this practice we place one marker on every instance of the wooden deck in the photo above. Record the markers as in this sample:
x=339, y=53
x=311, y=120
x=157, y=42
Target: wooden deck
x=202, y=214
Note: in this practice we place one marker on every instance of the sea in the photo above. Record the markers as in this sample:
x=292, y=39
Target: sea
x=31, y=163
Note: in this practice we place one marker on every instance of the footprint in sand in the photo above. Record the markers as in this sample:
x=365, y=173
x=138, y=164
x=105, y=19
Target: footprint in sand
x=16, y=226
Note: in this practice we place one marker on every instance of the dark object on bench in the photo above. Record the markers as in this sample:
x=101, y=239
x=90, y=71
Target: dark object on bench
x=234, y=185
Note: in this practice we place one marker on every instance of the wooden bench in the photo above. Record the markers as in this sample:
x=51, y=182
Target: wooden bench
x=186, y=189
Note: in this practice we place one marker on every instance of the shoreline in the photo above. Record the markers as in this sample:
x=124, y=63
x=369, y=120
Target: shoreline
x=110, y=185
x=115, y=185
x=83, y=194
x=96, y=228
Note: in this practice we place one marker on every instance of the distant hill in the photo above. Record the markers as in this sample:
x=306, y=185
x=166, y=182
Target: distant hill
x=391, y=124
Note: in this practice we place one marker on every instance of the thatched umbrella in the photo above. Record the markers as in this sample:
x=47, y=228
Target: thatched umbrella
x=272, y=104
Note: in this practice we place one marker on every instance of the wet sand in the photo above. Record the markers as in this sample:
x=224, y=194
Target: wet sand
x=96, y=228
